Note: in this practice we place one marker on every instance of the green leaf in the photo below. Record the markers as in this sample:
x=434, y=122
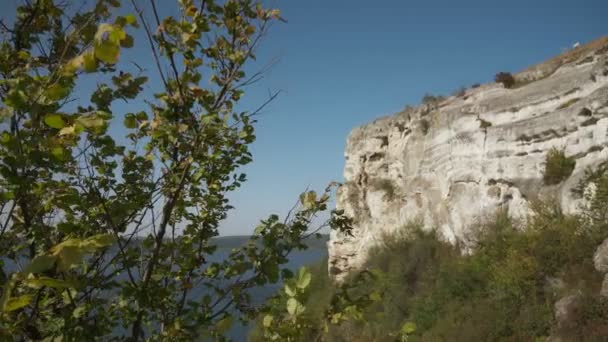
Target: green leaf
x=335, y=318
x=79, y=312
x=40, y=263
x=375, y=296
x=5, y=138
x=54, y=120
x=294, y=307
x=289, y=291
x=69, y=256
x=91, y=121
x=127, y=42
x=130, y=121
x=57, y=152
x=408, y=328
x=7, y=195
x=48, y=282
x=304, y=278
x=107, y=51
x=267, y=321
x=7, y=289
x=224, y=324
x=17, y=303
x=56, y=92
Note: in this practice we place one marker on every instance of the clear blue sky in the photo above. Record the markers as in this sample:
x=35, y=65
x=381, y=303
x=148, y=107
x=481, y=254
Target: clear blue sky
x=343, y=63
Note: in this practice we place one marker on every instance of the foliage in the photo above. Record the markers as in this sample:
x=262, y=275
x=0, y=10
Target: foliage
x=294, y=316
x=432, y=99
x=504, y=289
x=585, y=112
x=507, y=80
x=387, y=186
x=425, y=126
x=484, y=124
x=115, y=231
x=558, y=167
x=460, y=92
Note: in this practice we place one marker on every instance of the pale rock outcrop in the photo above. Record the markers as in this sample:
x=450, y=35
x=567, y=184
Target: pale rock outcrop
x=451, y=163
x=600, y=261
x=600, y=258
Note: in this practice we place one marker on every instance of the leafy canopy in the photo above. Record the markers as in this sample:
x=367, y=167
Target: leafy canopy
x=104, y=234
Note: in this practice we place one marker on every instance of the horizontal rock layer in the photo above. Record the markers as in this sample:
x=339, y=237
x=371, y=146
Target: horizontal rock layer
x=451, y=163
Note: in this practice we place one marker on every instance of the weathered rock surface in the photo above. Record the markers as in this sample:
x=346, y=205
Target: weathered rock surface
x=449, y=164
x=600, y=258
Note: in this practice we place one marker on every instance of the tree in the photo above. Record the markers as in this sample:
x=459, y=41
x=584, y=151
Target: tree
x=104, y=235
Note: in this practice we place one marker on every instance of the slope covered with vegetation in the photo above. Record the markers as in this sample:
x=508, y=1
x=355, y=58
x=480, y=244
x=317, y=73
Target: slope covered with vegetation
x=518, y=282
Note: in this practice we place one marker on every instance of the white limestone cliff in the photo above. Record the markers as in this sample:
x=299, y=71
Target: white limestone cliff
x=451, y=163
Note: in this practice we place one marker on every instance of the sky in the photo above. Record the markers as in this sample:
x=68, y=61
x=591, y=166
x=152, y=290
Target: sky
x=343, y=63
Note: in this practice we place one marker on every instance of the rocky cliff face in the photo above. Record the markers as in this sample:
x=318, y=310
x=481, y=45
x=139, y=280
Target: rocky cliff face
x=450, y=163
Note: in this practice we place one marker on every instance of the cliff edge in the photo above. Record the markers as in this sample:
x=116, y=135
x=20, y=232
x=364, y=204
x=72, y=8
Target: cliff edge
x=450, y=162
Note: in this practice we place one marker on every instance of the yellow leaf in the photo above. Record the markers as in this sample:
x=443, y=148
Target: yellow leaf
x=275, y=14
x=69, y=130
x=40, y=282
x=181, y=128
x=191, y=11
x=73, y=65
x=17, y=303
x=130, y=19
x=89, y=61
x=267, y=321
x=91, y=121
x=107, y=51
x=100, y=241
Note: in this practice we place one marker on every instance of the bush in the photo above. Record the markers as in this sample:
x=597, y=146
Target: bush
x=432, y=99
x=385, y=185
x=504, y=290
x=483, y=124
x=558, y=167
x=507, y=80
x=498, y=292
x=424, y=126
